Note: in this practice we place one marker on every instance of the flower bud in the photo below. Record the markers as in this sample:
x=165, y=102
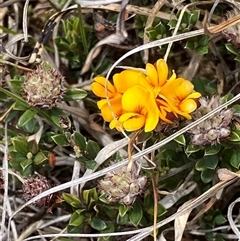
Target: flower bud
x=122, y=186
x=43, y=87
x=215, y=128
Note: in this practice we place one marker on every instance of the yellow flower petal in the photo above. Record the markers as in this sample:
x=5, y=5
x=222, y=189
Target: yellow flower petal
x=115, y=124
x=152, y=74
x=132, y=121
x=162, y=70
x=188, y=105
x=98, y=87
x=165, y=112
x=101, y=103
x=173, y=77
x=176, y=90
x=194, y=95
x=116, y=109
x=128, y=78
x=141, y=101
x=178, y=93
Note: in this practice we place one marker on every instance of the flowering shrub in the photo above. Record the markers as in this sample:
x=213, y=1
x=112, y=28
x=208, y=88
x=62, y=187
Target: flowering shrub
x=183, y=153
x=138, y=100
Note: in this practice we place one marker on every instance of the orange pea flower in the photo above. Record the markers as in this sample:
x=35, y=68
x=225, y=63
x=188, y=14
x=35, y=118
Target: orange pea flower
x=138, y=100
x=98, y=88
x=166, y=113
x=140, y=110
x=157, y=75
x=121, y=82
x=179, y=94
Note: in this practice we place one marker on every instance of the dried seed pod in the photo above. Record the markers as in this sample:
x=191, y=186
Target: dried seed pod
x=35, y=185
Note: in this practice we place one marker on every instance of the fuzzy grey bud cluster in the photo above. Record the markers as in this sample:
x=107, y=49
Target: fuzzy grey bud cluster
x=122, y=186
x=43, y=87
x=215, y=128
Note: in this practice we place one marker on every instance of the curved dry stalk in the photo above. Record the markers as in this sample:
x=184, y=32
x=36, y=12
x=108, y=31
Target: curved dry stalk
x=24, y=24
x=14, y=65
x=230, y=218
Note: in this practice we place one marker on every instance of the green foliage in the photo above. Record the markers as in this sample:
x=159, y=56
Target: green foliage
x=234, y=50
x=162, y=28
x=157, y=32
x=213, y=218
x=85, y=151
x=148, y=206
x=188, y=21
x=26, y=157
x=198, y=44
x=205, y=87
x=72, y=42
x=235, y=159
x=180, y=140
x=90, y=210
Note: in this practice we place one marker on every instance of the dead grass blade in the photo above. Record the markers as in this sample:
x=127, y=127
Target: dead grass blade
x=117, y=38
x=195, y=203
x=180, y=222
x=94, y=2
x=224, y=174
x=230, y=218
x=205, y=208
x=222, y=26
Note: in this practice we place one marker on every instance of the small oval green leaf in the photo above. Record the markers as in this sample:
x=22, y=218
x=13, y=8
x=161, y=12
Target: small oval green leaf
x=60, y=139
x=80, y=140
x=212, y=150
x=20, y=145
x=207, y=175
x=26, y=117
x=39, y=158
x=136, y=213
x=200, y=165
x=74, y=94
x=181, y=140
x=92, y=149
x=235, y=159
x=71, y=199
x=76, y=219
x=220, y=219
x=98, y=224
x=211, y=161
x=235, y=136
x=192, y=149
x=122, y=210
x=24, y=164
